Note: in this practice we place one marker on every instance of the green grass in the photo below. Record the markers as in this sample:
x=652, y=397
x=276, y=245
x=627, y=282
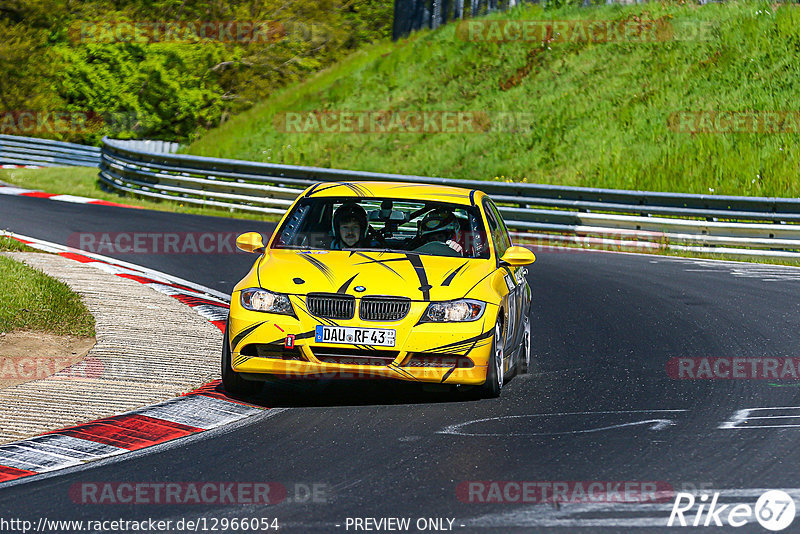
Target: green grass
x=597, y=113
x=8, y=244
x=31, y=300
x=82, y=181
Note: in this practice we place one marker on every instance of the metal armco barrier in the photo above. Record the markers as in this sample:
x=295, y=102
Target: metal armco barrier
x=543, y=214
x=672, y=220
x=17, y=150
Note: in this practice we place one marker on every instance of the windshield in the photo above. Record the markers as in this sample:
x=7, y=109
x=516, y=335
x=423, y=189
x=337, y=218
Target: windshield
x=387, y=224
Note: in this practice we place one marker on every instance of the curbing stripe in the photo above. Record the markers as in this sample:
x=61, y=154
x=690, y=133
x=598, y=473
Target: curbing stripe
x=199, y=411
x=38, y=194
x=203, y=409
x=80, y=449
x=12, y=473
x=40, y=461
x=11, y=190
x=19, y=191
x=130, y=431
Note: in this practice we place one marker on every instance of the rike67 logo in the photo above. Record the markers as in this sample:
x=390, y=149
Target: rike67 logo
x=774, y=510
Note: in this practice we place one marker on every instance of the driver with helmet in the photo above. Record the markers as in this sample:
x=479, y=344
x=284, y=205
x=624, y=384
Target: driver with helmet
x=439, y=229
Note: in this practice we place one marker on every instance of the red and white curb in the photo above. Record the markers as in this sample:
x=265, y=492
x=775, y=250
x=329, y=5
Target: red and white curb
x=7, y=166
x=21, y=192
x=203, y=409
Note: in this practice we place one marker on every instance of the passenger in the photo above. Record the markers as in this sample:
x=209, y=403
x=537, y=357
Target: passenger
x=350, y=227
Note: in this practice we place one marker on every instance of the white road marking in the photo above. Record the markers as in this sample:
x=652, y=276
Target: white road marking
x=766, y=272
x=657, y=424
x=742, y=417
x=624, y=515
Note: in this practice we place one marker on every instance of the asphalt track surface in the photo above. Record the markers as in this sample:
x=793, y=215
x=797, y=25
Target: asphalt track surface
x=600, y=408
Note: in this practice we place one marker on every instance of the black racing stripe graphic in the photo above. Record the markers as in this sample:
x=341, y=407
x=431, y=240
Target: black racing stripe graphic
x=453, y=274
x=380, y=262
x=475, y=343
x=304, y=309
x=448, y=373
x=358, y=189
x=244, y=333
x=325, y=188
x=419, y=268
x=258, y=270
x=304, y=335
x=239, y=360
x=400, y=371
x=489, y=333
x=478, y=282
x=324, y=269
x=313, y=189
x=343, y=288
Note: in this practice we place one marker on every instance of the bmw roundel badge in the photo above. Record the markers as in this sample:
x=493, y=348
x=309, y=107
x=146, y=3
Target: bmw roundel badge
x=360, y=289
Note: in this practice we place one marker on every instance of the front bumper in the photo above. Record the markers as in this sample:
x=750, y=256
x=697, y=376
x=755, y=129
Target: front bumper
x=451, y=353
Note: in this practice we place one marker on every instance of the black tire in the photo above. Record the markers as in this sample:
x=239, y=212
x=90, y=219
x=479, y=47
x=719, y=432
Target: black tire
x=233, y=381
x=525, y=355
x=493, y=386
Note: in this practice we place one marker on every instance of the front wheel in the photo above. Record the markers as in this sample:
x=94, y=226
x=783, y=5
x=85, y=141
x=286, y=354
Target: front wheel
x=494, y=371
x=233, y=381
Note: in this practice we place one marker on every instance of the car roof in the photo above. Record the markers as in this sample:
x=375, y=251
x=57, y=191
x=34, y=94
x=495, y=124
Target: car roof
x=398, y=190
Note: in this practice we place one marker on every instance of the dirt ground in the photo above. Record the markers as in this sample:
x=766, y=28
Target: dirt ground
x=28, y=356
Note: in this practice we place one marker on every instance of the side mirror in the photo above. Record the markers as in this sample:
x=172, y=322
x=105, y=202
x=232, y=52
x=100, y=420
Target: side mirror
x=516, y=256
x=250, y=242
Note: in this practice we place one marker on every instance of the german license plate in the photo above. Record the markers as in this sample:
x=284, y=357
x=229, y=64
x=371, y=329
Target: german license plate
x=348, y=335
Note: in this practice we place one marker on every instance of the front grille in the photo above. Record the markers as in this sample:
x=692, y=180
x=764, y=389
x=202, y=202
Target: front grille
x=331, y=305
x=273, y=351
x=354, y=356
x=430, y=359
x=383, y=308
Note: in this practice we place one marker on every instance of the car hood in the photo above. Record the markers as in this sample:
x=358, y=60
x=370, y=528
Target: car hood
x=418, y=277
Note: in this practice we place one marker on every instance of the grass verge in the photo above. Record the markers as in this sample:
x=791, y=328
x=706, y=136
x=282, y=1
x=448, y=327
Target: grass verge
x=31, y=300
x=583, y=113
x=8, y=244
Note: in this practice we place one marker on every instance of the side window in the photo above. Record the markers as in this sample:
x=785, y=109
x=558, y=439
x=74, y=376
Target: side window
x=503, y=227
x=497, y=229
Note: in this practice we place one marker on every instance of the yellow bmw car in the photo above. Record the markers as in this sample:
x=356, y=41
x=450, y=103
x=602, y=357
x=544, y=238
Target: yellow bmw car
x=382, y=280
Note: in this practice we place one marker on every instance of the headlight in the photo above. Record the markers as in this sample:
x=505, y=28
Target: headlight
x=261, y=300
x=454, y=311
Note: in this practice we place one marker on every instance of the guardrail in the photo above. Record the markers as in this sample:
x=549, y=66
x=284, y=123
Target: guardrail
x=17, y=150
x=545, y=213
x=538, y=213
